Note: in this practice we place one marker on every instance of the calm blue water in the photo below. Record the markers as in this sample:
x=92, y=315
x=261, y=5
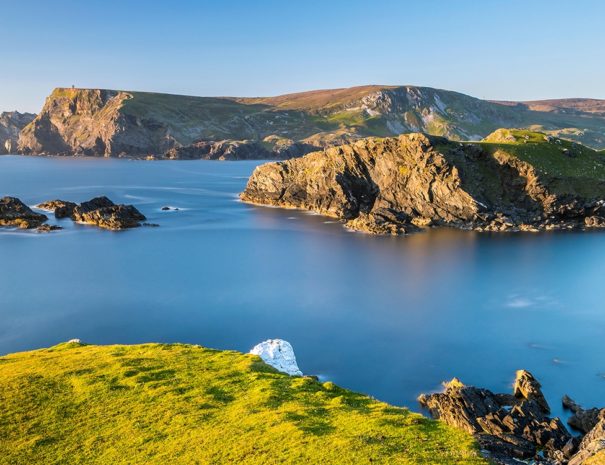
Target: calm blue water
x=391, y=317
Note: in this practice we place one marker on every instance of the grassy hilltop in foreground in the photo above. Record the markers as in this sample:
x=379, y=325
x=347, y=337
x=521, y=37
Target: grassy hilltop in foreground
x=512, y=180
x=183, y=404
x=122, y=123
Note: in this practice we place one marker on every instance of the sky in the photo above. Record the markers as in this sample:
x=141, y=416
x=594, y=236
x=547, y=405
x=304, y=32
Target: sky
x=507, y=50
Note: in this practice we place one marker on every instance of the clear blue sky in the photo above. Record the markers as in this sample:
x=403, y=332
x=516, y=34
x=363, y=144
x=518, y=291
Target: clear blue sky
x=490, y=49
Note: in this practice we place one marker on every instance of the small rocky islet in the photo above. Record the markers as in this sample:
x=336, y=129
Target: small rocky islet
x=99, y=211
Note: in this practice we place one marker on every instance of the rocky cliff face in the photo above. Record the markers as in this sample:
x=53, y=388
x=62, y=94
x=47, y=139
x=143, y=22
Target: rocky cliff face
x=84, y=122
x=397, y=185
x=99, y=122
x=11, y=124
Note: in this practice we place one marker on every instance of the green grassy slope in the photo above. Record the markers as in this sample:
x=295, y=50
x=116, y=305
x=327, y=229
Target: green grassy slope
x=182, y=404
x=572, y=168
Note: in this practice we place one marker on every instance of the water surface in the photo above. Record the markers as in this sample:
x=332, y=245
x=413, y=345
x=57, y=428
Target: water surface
x=391, y=317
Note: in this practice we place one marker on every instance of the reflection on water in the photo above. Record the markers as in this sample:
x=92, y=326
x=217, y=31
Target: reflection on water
x=392, y=317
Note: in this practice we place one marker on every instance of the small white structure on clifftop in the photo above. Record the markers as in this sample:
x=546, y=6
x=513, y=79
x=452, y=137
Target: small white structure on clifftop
x=279, y=354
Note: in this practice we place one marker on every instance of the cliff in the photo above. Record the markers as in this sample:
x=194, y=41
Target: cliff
x=513, y=180
x=11, y=124
x=122, y=123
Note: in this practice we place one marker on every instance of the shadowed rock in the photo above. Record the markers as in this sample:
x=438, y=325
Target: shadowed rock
x=582, y=420
x=592, y=447
x=13, y=212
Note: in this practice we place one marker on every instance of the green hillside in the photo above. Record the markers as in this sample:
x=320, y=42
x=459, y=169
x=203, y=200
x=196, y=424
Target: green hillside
x=183, y=404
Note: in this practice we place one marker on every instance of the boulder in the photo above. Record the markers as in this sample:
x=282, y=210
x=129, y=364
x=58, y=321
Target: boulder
x=13, y=212
x=279, y=354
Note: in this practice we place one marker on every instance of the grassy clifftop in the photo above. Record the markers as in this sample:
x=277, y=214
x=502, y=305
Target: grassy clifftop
x=182, y=404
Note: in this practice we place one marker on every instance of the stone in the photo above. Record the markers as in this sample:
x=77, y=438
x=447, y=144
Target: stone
x=582, y=420
x=48, y=227
x=527, y=387
x=279, y=354
x=61, y=208
x=102, y=212
x=13, y=212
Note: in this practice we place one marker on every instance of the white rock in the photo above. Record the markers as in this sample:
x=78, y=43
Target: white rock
x=74, y=341
x=279, y=354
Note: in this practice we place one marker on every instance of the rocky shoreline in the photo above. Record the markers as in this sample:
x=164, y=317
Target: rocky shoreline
x=516, y=428
x=513, y=181
x=99, y=211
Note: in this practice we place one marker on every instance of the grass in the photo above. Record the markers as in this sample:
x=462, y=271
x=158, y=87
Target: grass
x=183, y=404
x=573, y=168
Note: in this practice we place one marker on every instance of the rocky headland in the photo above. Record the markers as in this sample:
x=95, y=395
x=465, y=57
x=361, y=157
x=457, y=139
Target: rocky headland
x=516, y=428
x=117, y=123
x=513, y=180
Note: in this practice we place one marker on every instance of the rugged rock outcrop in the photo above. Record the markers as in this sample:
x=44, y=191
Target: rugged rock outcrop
x=279, y=354
x=592, y=448
x=582, y=419
x=11, y=124
x=102, y=212
x=513, y=429
x=508, y=427
x=13, y=212
x=396, y=185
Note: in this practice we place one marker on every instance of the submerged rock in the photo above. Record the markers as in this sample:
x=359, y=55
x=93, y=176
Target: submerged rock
x=13, y=212
x=48, y=227
x=279, y=354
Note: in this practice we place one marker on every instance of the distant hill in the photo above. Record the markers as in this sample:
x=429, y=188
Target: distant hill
x=123, y=123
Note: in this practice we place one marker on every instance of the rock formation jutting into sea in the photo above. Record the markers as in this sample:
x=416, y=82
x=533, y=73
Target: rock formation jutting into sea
x=513, y=180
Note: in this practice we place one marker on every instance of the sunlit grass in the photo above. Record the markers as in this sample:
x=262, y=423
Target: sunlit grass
x=182, y=404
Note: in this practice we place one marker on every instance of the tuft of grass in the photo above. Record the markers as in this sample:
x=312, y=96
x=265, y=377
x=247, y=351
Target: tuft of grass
x=184, y=404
